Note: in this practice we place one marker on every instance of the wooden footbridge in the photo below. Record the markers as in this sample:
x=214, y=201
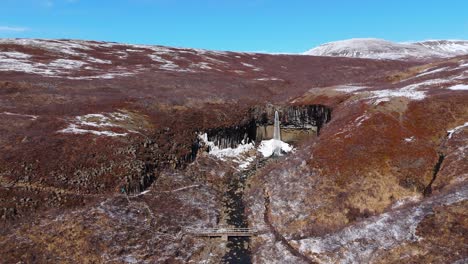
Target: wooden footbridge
x=222, y=232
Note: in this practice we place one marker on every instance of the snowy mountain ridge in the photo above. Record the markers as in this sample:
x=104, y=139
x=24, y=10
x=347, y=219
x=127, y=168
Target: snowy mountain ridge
x=382, y=49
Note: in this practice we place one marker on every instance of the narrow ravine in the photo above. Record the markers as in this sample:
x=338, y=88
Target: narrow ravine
x=263, y=129
x=238, y=247
x=428, y=190
x=239, y=250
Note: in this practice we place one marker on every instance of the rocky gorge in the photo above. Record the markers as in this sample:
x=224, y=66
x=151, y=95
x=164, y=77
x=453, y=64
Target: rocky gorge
x=104, y=158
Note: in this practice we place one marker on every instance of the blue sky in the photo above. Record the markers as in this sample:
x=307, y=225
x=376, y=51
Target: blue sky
x=238, y=25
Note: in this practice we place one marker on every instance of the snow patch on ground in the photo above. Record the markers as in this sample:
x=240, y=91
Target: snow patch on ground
x=69, y=47
x=32, y=117
x=61, y=68
x=20, y=65
x=105, y=76
x=73, y=55
x=459, y=87
x=166, y=64
x=202, y=65
x=244, y=164
x=411, y=91
x=348, y=88
x=67, y=64
x=269, y=79
x=134, y=50
x=428, y=72
x=64, y=67
x=14, y=55
x=74, y=129
x=251, y=66
x=170, y=59
x=360, y=120
x=94, y=123
x=405, y=201
x=96, y=60
x=456, y=129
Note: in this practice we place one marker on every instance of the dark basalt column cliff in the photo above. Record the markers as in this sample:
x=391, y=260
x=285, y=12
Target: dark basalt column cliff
x=231, y=137
x=305, y=116
x=291, y=117
x=158, y=153
x=153, y=157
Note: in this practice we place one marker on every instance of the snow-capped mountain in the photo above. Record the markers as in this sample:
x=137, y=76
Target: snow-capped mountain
x=383, y=49
x=458, y=47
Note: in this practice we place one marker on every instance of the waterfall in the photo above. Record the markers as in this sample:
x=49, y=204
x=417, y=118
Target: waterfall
x=276, y=131
x=277, y=136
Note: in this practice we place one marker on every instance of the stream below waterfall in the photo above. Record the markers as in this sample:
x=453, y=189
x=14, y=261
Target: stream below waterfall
x=238, y=248
x=233, y=202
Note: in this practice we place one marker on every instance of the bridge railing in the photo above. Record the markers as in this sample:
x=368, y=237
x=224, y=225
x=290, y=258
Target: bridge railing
x=221, y=231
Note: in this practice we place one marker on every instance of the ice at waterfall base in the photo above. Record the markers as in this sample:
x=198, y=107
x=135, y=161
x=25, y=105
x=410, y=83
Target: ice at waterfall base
x=267, y=147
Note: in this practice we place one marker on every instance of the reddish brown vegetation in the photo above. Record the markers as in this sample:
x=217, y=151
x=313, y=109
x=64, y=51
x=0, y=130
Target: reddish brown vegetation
x=365, y=159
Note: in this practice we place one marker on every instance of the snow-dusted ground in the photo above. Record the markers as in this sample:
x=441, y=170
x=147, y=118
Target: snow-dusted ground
x=32, y=117
x=409, y=92
x=269, y=79
x=419, y=90
x=360, y=242
x=417, y=87
x=72, y=56
x=430, y=71
x=94, y=123
x=349, y=88
x=351, y=126
x=456, y=129
x=153, y=238
x=24, y=63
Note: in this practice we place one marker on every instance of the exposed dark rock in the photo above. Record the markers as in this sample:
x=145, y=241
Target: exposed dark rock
x=231, y=137
x=428, y=190
x=292, y=118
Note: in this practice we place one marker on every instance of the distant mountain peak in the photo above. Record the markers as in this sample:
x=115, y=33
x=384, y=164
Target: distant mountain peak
x=373, y=48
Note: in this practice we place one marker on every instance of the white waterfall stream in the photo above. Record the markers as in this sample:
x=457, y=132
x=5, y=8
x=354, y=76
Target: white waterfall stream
x=277, y=136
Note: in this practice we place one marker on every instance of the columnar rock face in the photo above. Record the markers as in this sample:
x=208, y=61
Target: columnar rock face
x=296, y=121
x=86, y=126
x=306, y=116
x=231, y=137
x=299, y=116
